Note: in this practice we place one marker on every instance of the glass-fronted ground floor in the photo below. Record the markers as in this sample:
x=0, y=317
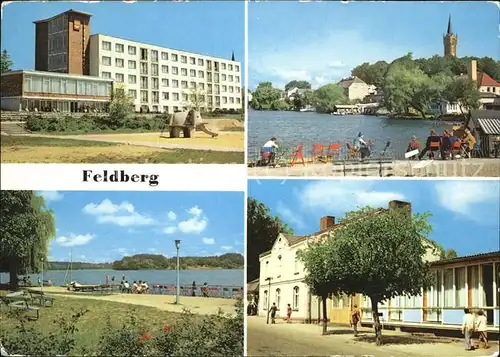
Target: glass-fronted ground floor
x=56, y=105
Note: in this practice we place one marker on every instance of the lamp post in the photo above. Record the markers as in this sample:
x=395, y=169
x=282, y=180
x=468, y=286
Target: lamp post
x=177, y=246
x=41, y=285
x=268, y=299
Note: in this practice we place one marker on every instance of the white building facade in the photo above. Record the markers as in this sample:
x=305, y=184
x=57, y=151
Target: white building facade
x=164, y=80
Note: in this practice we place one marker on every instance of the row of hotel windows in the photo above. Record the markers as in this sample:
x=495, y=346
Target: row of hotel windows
x=38, y=84
x=132, y=50
x=277, y=299
x=155, y=96
x=132, y=79
x=120, y=63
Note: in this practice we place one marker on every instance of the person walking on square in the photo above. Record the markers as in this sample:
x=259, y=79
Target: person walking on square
x=289, y=314
x=467, y=329
x=355, y=317
x=481, y=327
x=274, y=308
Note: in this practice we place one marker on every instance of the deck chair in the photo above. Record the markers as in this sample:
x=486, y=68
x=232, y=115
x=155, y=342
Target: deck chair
x=434, y=146
x=298, y=154
x=352, y=152
x=317, y=153
x=334, y=151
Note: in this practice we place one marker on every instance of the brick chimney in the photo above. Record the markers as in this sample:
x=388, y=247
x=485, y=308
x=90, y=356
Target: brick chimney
x=400, y=205
x=472, y=70
x=326, y=222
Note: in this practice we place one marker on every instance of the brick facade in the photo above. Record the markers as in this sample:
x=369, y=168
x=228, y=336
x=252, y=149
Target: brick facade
x=11, y=85
x=41, y=46
x=78, y=43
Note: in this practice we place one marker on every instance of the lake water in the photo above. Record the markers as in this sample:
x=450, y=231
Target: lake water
x=232, y=277
x=295, y=128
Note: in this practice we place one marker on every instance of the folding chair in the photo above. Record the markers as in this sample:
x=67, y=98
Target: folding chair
x=298, y=154
x=334, y=151
x=434, y=147
x=317, y=152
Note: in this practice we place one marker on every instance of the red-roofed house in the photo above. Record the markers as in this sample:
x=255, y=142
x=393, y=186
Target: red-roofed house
x=487, y=86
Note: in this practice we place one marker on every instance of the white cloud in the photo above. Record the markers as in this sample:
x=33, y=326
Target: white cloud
x=171, y=216
x=108, y=207
x=462, y=196
x=317, y=59
x=74, y=239
x=345, y=195
x=196, y=224
x=122, y=214
x=227, y=247
x=170, y=230
x=208, y=241
x=51, y=196
x=134, y=219
x=195, y=211
x=289, y=216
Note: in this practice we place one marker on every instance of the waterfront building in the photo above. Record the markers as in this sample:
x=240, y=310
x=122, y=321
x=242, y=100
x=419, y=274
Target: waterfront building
x=356, y=88
x=158, y=79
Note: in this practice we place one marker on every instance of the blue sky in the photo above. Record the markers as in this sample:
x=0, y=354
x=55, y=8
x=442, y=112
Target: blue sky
x=104, y=226
x=322, y=41
x=464, y=213
x=212, y=28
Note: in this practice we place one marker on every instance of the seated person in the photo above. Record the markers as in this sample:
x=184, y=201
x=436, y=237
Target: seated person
x=144, y=287
x=134, y=287
x=414, y=144
x=361, y=145
x=267, y=151
x=432, y=138
x=469, y=141
x=126, y=287
x=446, y=145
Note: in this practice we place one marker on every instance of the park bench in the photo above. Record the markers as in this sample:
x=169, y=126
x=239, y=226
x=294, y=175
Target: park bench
x=16, y=303
x=37, y=295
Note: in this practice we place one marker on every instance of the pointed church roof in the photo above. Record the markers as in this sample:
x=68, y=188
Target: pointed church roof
x=450, y=30
x=232, y=56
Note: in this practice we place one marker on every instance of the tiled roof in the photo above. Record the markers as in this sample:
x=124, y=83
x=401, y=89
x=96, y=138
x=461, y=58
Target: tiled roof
x=484, y=80
x=346, y=82
x=469, y=258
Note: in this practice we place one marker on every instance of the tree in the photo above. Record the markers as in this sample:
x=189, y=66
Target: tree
x=372, y=73
x=328, y=96
x=120, y=106
x=197, y=99
x=5, y=62
x=463, y=91
x=26, y=229
x=262, y=231
x=265, y=97
x=450, y=254
x=375, y=253
x=297, y=84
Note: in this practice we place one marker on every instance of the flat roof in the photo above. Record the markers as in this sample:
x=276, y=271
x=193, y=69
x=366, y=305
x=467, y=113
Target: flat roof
x=62, y=13
x=167, y=48
x=469, y=258
x=57, y=74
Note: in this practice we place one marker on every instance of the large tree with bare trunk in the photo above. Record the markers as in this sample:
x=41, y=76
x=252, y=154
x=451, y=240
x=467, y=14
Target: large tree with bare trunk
x=375, y=253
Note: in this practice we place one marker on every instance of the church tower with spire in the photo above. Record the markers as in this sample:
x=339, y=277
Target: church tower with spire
x=450, y=41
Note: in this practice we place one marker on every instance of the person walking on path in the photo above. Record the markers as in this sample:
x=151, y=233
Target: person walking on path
x=289, y=314
x=355, y=317
x=467, y=329
x=481, y=327
x=274, y=308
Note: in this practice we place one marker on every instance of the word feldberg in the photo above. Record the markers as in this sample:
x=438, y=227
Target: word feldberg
x=120, y=176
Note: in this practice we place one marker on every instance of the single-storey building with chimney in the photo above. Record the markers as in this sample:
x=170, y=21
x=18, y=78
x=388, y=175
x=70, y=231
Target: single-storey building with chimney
x=282, y=275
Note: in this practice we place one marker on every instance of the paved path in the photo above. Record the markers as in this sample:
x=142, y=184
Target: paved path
x=306, y=340
x=451, y=168
x=140, y=143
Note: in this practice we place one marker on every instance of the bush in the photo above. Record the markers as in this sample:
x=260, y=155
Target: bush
x=89, y=123
x=191, y=335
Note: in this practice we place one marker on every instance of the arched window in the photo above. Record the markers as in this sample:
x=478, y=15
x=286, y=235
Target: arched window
x=296, y=298
x=265, y=300
x=278, y=297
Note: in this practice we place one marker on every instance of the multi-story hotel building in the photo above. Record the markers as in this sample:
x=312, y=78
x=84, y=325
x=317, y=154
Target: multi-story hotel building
x=158, y=79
